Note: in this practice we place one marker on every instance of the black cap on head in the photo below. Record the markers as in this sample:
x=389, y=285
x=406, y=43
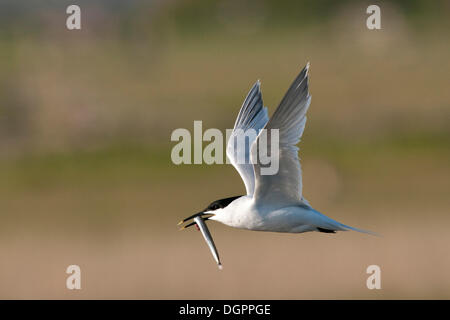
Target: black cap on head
x=221, y=203
x=218, y=204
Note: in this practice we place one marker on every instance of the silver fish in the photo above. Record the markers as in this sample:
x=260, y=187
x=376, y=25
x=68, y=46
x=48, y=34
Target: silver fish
x=209, y=240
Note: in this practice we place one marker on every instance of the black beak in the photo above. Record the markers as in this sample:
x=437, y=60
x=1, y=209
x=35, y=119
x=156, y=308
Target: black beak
x=203, y=215
x=191, y=217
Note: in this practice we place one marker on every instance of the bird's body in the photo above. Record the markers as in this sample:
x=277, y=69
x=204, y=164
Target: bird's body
x=274, y=200
x=245, y=213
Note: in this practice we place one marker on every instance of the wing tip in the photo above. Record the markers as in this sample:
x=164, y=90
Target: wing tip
x=306, y=71
x=257, y=84
x=307, y=67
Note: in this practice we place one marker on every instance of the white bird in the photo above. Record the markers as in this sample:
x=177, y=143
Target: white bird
x=273, y=202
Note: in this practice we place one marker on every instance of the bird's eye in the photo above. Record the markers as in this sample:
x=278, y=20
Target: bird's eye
x=215, y=206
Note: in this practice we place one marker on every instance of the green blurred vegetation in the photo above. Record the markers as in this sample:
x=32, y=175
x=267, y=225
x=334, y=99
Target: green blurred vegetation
x=95, y=108
x=138, y=70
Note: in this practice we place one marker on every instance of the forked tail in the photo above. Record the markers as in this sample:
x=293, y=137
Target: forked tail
x=346, y=228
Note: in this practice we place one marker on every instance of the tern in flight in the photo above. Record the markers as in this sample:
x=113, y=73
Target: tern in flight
x=273, y=202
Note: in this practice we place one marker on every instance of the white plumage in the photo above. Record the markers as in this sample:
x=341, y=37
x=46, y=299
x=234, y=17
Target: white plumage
x=273, y=202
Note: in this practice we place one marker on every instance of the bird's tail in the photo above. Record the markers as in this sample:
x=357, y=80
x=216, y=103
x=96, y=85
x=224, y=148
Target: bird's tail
x=327, y=223
x=347, y=228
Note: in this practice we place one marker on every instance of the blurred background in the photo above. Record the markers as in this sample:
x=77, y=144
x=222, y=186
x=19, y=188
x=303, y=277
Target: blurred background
x=86, y=176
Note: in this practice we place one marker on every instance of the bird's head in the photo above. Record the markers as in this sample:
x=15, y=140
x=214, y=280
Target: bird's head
x=209, y=211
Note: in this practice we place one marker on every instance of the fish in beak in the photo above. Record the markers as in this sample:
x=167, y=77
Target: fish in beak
x=199, y=220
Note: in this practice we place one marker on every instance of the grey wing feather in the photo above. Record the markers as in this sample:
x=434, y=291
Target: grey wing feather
x=285, y=187
x=251, y=118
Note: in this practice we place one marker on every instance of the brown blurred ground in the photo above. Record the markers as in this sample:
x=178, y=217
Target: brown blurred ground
x=86, y=176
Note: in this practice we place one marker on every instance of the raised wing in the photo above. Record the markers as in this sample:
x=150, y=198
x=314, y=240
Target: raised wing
x=284, y=187
x=251, y=119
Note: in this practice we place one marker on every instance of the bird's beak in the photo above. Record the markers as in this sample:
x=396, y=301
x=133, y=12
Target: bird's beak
x=191, y=217
x=203, y=215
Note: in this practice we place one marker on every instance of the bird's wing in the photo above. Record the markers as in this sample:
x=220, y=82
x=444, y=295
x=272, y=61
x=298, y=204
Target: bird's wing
x=251, y=119
x=284, y=187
